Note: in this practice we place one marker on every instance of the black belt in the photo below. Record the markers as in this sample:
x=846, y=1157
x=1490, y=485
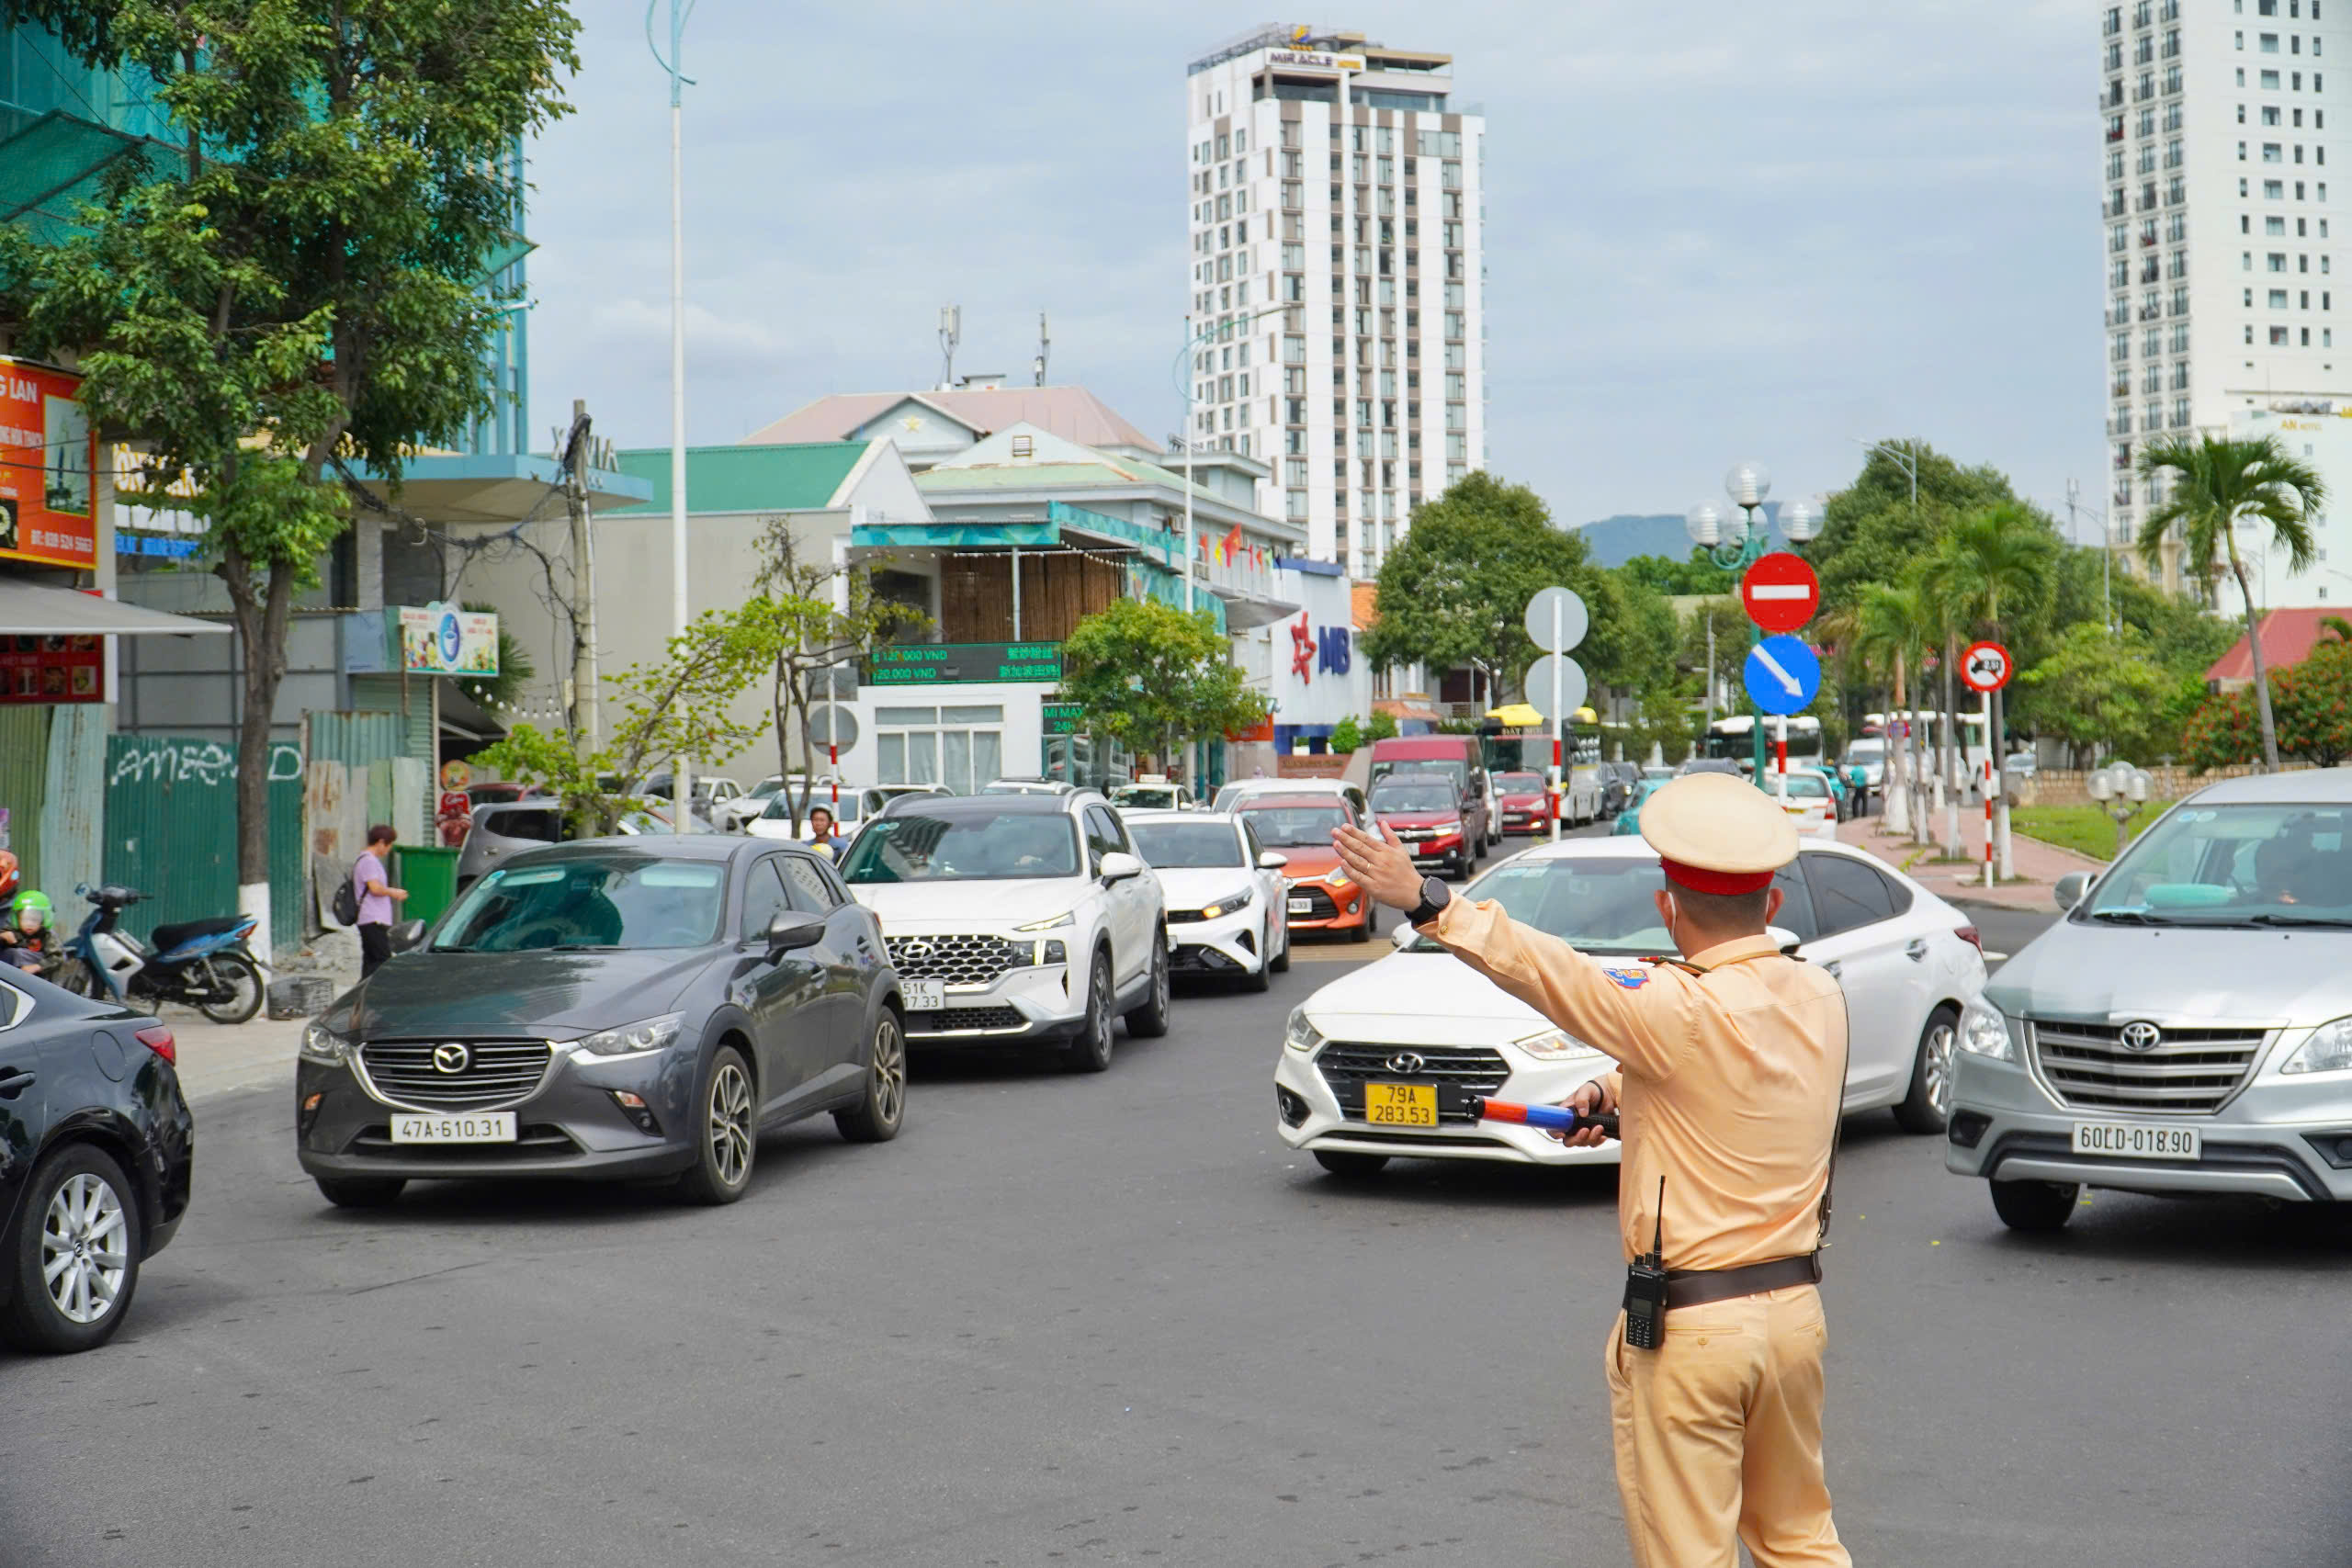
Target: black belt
x=1695, y=1287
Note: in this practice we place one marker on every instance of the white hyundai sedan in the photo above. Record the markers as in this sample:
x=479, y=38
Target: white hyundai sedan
x=1384, y=1062
x=1225, y=893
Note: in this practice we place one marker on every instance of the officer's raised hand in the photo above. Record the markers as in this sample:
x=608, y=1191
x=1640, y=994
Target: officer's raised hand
x=1380, y=864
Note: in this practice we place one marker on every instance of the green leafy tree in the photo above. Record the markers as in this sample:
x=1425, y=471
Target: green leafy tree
x=1380, y=727
x=1346, y=736
x=2102, y=689
x=1695, y=573
x=1872, y=531
x=1998, y=558
x=316, y=298
x=1456, y=588
x=1150, y=675
x=2311, y=704
x=1891, y=632
x=2212, y=485
x=1733, y=633
x=808, y=638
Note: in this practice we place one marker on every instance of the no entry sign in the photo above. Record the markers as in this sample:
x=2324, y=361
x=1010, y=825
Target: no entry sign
x=1986, y=667
x=1780, y=592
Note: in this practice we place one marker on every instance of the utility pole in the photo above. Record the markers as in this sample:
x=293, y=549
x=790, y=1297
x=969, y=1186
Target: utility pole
x=951, y=332
x=680, y=767
x=585, y=717
x=1044, y=347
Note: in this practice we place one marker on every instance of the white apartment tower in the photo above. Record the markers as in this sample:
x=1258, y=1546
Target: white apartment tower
x=1337, y=267
x=2221, y=293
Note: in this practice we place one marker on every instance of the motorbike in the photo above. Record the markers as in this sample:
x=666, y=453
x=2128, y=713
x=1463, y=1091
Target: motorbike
x=200, y=964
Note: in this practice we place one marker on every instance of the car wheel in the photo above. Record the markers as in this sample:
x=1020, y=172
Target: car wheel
x=1281, y=961
x=1262, y=977
x=1350, y=1167
x=727, y=1131
x=1927, y=1107
x=876, y=1118
x=1149, y=1021
x=2035, y=1205
x=360, y=1191
x=1090, y=1052
x=236, y=976
x=77, y=1254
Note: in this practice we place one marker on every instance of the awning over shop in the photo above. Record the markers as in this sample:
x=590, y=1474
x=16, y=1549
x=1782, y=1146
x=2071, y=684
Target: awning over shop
x=466, y=718
x=1244, y=610
x=950, y=535
x=28, y=609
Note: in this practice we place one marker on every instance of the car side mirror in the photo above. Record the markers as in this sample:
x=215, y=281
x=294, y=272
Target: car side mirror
x=1272, y=860
x=1404, y=936
x=406, y=935
x=1787, y=941
x=794, y=929
x=1117, y=867
x=2070, y=889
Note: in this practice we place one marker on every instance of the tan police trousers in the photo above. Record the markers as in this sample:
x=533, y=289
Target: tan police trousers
x=1718, y=1436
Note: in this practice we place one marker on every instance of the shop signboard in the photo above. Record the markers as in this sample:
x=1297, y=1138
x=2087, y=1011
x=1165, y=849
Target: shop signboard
x=968, y=663
x=52, y=669
x=49, y=460
x=442, y=639
x=1064, y=718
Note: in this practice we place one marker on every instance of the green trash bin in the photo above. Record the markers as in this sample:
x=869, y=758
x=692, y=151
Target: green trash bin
x=430, y=874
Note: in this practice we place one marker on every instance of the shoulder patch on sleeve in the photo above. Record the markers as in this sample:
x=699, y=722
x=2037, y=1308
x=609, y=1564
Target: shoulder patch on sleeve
x=1632, y=980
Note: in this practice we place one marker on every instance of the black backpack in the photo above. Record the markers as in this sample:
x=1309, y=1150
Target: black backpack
x=345, y=907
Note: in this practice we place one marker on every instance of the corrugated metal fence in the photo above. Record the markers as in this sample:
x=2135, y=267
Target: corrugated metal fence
x=360, y=772
x=171, y=829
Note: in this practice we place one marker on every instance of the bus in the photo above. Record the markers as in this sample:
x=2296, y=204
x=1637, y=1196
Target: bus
x=1926, y=728
x=1733, y=739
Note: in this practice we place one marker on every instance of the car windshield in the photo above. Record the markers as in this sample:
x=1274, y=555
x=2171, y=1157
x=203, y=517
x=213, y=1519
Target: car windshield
x=1179, y=846
x=1810, y=786
x=605, y=903
x=1430, y=797
x=1295, y=824
x=2268, y=864
x=1866, y=751
x=1519, y=784
x=968, y=846
x=1456, y=771
x=1603, y=906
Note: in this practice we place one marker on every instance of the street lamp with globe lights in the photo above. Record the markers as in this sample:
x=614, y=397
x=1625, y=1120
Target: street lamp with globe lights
x=1748, y=541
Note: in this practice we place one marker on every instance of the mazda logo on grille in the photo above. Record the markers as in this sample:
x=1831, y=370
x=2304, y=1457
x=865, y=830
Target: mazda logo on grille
x=451, y=1057
x=2142, y=1036
x=1405, y=1062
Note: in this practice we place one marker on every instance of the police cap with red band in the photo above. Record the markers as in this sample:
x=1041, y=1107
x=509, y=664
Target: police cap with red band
x=1716, y=833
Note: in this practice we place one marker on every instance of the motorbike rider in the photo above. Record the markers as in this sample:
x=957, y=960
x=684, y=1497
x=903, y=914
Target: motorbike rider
x=25, y=940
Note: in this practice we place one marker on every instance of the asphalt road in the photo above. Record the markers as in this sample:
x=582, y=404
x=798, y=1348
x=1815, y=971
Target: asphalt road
x=1095, y=1320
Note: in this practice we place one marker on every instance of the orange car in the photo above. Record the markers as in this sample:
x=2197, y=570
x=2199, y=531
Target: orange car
x=1298, y=827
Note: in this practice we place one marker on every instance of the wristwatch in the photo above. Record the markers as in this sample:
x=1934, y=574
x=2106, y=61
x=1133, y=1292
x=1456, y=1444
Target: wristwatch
x=1435, y=895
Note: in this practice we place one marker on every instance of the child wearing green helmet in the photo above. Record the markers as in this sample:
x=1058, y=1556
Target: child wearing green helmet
x=25, y=940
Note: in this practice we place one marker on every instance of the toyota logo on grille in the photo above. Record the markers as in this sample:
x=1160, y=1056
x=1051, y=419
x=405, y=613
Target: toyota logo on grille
x=2142, y=1036
x=451, y=1057
x=1405, y=1062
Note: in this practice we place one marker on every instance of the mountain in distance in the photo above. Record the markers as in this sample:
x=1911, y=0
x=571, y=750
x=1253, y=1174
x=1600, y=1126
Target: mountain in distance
x=1616, y=540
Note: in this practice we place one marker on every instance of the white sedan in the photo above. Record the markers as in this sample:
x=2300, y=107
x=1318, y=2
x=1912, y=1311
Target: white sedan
x=1811, y=803
x=1224, y=893
x=1383, y=1062
x=774, y=820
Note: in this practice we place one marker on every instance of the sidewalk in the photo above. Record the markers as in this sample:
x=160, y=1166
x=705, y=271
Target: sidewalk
x=217, y=1059
x=2039, y=864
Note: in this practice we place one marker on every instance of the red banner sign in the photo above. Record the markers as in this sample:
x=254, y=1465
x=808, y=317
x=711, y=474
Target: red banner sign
x=48, y=463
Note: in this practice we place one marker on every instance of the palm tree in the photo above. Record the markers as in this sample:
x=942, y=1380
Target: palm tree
x=1889, y=631
x=1998, y=553
x=1935, y=579
x=2212, y=485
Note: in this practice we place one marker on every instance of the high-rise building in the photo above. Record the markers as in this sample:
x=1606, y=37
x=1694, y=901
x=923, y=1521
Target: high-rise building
x=1337, y=267
x=2221, y=295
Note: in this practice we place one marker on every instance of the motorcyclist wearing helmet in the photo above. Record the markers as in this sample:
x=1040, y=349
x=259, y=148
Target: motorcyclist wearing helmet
x=25, y=942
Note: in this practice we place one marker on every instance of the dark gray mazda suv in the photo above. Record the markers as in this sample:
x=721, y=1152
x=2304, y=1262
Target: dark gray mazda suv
x=614, y=1008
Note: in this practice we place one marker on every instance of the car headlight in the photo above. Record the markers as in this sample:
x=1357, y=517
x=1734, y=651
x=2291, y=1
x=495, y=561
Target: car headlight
x=1067, y=918
x=1337, y=876
x=323, y=1046
x=1984, y=1033
x=1454, y=826
x=633, y=1038
x=2329, y=1050
x=1299, y=1034
x=1553, y=1044
x=1225, y=905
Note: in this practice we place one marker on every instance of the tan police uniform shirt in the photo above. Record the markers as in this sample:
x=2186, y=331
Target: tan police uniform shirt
x=1729, y=1083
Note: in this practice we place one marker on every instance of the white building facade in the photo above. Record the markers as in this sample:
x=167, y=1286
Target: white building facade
x=1336, y=229
x=2218, y=212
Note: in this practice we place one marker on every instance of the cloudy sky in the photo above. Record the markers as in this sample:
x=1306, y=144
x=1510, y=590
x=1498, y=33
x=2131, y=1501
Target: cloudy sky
x=1715, y=230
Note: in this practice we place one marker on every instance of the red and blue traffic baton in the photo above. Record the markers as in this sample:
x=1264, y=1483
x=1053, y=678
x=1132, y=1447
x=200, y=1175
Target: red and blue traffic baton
x=1548, y=1118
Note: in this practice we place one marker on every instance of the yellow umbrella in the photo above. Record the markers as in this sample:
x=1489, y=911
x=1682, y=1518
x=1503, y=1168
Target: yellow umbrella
x=1517, y=716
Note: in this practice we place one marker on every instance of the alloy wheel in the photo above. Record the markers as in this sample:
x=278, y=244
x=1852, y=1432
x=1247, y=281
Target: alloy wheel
x=731, y=1123
x=1935, y=1065
x=889, y=1071
x=83, y=1240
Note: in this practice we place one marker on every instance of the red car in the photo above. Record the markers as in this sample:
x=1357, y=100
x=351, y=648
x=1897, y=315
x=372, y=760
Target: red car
x=1527, y=805
x=1425, y=812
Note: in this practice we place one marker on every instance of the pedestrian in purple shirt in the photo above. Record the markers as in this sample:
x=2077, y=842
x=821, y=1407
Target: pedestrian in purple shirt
x=377, y=897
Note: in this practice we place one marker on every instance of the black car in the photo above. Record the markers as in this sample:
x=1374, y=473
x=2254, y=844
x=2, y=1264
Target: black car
x=96, y=1150
x=616, y=1008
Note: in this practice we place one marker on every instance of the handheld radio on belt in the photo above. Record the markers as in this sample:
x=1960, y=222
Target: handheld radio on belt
x=1645, y=1286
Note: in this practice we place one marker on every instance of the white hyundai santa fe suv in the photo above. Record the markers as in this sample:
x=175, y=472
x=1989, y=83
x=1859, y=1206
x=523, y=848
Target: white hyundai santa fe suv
x=1014, y=918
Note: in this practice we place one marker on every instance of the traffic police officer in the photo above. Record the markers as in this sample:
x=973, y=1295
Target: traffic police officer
x=1731, y=1063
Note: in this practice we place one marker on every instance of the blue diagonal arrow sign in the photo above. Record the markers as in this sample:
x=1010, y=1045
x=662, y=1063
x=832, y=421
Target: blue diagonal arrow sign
x=1783, y=675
